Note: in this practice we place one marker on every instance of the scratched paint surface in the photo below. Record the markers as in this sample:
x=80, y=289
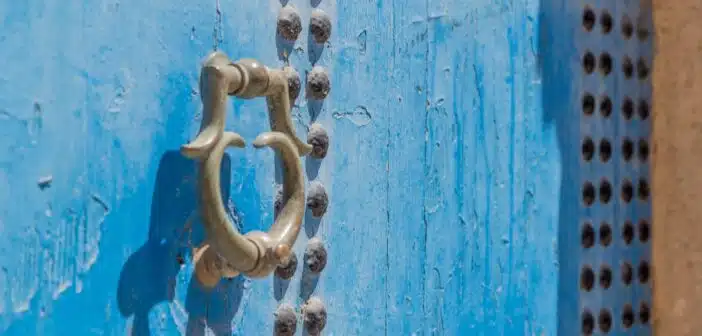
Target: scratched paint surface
x=443, y=171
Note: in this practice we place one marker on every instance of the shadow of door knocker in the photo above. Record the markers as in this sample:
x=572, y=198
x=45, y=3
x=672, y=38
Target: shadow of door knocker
x=227, y=252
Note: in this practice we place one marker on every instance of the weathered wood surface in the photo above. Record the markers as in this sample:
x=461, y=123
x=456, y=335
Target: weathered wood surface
x=443, y=174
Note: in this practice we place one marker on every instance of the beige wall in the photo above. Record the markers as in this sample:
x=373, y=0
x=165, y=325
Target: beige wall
x=677, y=168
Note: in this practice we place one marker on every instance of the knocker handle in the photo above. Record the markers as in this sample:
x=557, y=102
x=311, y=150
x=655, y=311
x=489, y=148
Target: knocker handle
x=228, y=252
x=246, y=79
x=256, y=254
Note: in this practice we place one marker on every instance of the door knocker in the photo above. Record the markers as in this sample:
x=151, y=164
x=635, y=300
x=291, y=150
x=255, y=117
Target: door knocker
x=227, y=252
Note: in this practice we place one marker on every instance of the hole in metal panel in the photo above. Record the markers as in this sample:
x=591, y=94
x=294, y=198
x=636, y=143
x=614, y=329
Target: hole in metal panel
x=643, y=150
x=588, y=104
x=627, y=149
x=606, y=22
x=627, y=27
x=605, y=63
x=627, y=273
x=605, y=234
x=588, y=149
x=643, y=190
x=588, y=19
x=628, y=232
x=605, y=191
x=627, y=67
x=644, y=231
x=587, y=278
x=642, y=69
x=627, y=191
x=604, y=320
x=627, y=316
x=605, y=150
x=605, y=106
x=644, y=313
x=588, y=193
x=588, y=62
x=642, y=32
x=587, y=235
x=644, y=110
x=628, y=108
x=644, y=272
x=605, y=277
x=588, y=323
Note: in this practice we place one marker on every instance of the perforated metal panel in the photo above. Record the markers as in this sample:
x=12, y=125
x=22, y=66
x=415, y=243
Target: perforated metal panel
x=615, y=46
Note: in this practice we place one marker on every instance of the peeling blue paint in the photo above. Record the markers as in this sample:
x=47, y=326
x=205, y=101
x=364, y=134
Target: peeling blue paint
x=443, y=172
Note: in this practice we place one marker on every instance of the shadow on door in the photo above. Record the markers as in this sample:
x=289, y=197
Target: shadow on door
x=149, y=275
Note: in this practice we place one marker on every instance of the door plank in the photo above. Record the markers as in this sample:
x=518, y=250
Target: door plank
x=356, y=115
x=489, y=239
x=442, y=173
x=407, y=132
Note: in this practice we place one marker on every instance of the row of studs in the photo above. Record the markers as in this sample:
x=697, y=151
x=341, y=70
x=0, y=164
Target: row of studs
x=315, y=258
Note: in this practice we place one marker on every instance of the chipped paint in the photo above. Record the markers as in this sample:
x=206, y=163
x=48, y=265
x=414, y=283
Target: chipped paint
x=442, y=170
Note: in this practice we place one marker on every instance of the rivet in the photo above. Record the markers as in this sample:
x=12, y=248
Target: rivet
x=285, y=321
x=315, y=256
x=289, y=23
x=315, y=316
x=286, y=270
x=293, y=82
x=320, y=26
x=317, y=199
x=319, y=139
x=318, y=84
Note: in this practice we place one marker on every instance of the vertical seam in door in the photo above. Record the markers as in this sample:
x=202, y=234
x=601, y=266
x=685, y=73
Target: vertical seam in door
x=387, y=231
x=217, y=30
x=424, y=160
x=387, y=177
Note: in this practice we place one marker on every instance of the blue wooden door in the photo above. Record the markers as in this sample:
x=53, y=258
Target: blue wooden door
x=449, y=137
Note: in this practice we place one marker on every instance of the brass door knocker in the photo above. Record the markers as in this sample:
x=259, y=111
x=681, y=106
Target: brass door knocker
x=227, y=252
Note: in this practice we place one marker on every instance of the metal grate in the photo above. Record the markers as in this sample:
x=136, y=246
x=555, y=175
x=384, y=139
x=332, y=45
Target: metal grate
x=615, y=45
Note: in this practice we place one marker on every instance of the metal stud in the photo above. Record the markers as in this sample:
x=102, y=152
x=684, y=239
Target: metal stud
x=285, y=321
x=320, y=26
x=289, y=23
x=317, y=199
x=319, y=139
x=287, y=269
x=318, y=84
x=294, y=85
x=315, y=256
x=315, y=316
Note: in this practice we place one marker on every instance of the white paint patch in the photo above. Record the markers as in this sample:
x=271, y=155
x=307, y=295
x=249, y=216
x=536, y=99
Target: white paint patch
x=62, y=287
x=21, y=301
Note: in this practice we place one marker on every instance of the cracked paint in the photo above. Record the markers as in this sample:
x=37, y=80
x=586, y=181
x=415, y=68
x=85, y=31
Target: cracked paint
x=440, y=174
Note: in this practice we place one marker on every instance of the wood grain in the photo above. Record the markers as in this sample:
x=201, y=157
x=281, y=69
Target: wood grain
x=443, y=171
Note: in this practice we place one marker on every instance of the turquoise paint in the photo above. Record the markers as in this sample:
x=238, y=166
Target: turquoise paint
x=444, y=169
